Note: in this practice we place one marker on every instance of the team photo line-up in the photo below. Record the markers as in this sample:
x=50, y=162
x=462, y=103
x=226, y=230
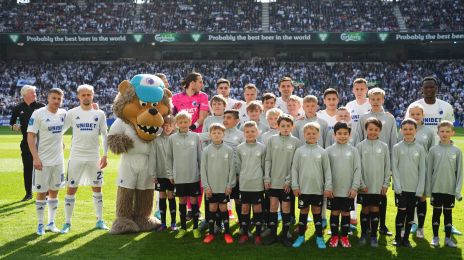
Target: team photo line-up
x=267, y=156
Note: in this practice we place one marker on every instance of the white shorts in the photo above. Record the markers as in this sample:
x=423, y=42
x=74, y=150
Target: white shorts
x=49, y=178
x=82, y=173
x=133, y=173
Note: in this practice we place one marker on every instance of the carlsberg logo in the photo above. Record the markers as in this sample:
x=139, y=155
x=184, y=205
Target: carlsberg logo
x=383, y=36
x=351, y=37
x=165, y=37
x=137, y=37
x=14, y=37
x=323, y=36
x=196, y=36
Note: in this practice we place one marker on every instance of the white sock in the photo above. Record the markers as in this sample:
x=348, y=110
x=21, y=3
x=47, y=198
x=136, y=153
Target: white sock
x=324, y=208
x=157, y=195
x=40, y=208
x=353, y=213
x=98, y=203
x=69, y=201
x=52, y=207
x=229, y=205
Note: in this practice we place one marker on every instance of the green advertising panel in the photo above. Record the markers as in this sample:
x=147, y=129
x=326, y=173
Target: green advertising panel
x=233, y=38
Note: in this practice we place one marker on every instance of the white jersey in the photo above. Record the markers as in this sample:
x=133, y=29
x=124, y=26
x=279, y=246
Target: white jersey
x=356, y=110
x=331, y=120
x=282, y=105
x=434, y=114
x=49, y=129
x=86, y=125
x=230, y=103
x=242, y=112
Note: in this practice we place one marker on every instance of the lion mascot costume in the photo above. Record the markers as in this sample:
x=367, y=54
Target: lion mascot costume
x=140, y=106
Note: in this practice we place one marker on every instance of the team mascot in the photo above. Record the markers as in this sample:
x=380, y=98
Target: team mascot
x=140, y=106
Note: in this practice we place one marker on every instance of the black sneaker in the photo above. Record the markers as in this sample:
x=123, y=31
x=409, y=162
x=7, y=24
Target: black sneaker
x=398, y=242
x=270, y=240
x=27, y=197
x=189, y=215
x=286, y=241
x=407, y=244
x=384, y=231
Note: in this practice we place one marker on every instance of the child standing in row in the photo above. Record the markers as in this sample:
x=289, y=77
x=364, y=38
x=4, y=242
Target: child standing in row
x=311, y=180
x=183, y=170
x=345, y=166
x=218, y=179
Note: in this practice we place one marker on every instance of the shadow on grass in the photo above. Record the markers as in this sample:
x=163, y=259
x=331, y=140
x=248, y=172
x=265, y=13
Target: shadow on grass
x=14, y=205
x=36, y=246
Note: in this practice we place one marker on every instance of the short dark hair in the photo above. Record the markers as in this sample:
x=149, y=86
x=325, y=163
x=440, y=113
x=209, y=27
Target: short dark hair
x=429, y=78
x=233, y=112
x=342, y=125
x=286, y=78
x=331, y=91
x=267, y=96
x=254, y=105
x=56, y=91
x=222, y=80
x=374, y=121
x=285, y=117
x=409, y=121
x=218, y=98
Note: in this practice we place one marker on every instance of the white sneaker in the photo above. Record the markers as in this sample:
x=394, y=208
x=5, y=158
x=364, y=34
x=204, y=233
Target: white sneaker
x=435, y=241
x=450, y=243
x=402, y=232
x=51, y=227
x=420, y=233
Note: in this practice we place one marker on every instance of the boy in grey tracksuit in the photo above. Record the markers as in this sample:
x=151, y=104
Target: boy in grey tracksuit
x=345, y=166
x=444, y=181
x=183, y=169
x=310, y=108
x=375, y=180
x=217, y=179
x=163, y=185
x=250, y=162
x=388, y=135
x=311, y=179
x=425, y=136
x=279, y=155
x=408, y=167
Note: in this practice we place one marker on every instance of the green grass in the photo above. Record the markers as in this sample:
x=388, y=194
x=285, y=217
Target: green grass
x=19, y=241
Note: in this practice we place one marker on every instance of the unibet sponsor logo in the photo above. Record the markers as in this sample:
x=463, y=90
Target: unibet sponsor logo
x=165, y=37
x=196, y=36
x=14, y=37
x=351, y=37
x=323, y=36
x=383, y=36
x=138, y=37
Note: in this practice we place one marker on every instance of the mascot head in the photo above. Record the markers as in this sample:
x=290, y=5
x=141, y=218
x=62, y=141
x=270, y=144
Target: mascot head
x=142, y=102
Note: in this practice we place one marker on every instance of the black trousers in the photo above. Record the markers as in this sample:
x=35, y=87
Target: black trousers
x=27, y=170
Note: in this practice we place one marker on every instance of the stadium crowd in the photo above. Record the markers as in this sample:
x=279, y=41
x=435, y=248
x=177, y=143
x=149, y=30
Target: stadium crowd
x=332, y=16
x=433, y=15
x=401, y=81
x=52, y=16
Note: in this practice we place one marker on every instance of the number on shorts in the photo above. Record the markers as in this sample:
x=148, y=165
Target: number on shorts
x=99, y=175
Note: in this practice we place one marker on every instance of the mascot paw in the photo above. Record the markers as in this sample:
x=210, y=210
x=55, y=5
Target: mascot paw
x=147, y=223
x=124, y=225
x=120, y=143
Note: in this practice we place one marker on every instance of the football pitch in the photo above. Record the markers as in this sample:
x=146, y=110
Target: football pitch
x=18, y=225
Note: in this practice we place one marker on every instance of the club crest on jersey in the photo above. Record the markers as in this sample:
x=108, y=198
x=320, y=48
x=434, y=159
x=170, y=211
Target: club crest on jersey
x=95, y=118
x=440, y=112
x=31, y=121
x=194, y=103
